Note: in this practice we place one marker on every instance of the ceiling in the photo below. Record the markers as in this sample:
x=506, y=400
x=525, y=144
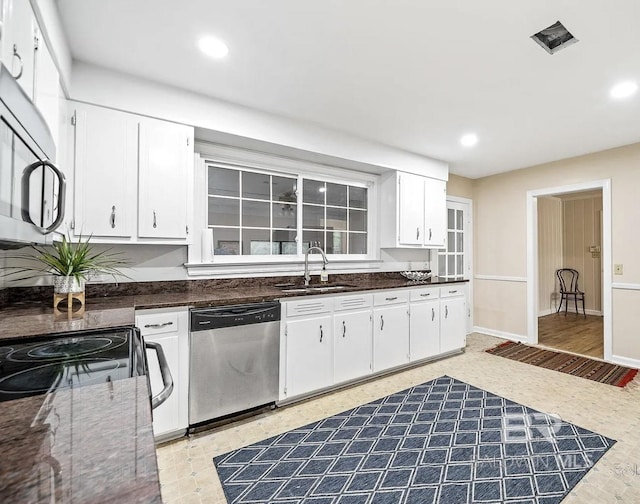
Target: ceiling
x=412, y=74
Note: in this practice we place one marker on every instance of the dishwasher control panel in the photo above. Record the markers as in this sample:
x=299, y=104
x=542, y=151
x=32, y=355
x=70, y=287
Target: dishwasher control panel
x=204, y=319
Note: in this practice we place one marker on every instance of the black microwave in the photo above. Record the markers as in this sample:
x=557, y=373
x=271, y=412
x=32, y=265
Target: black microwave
x=32, y=188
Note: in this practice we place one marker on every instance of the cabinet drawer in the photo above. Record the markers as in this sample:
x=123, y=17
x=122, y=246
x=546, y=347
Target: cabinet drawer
x=452, y=290
x=308, y=306
x=351, y=302
x=424, y=294
x=157, y=323
x=390, y=297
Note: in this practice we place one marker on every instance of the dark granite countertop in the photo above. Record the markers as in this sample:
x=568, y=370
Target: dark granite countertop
x=89, y=444
x=107, y=307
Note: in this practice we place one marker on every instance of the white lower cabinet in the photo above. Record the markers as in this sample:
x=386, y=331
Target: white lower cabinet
x=309, y=350
x=390, y=336
x=169, y=328
x=453, y=319
x=332, y=340
x=425, y=329
x=352, y=345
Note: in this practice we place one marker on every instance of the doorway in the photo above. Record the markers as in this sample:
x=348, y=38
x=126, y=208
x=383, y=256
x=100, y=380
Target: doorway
x=550, y=246
x=570, y=236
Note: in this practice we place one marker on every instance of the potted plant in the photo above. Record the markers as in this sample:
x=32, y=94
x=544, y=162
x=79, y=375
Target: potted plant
x=71, y=264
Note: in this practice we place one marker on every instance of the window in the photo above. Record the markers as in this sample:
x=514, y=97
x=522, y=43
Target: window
x=261, y=213
x=334, y=217
x=451, y=261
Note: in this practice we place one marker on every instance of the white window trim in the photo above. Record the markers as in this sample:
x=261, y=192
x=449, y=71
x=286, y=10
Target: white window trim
x=199, y=264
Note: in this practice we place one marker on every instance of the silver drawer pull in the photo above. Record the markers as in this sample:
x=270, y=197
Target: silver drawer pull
x=321, y=333
x=453, y=292
x=158, y=326
x=391, y=298
x=433, y=314
x=425, y=295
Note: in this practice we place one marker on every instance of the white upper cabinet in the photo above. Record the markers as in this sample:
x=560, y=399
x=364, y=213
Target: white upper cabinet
x=413, y=211
x=165, y=164
x=435, y=213
x=106, y=143
x=132, y=177
x=19, y=32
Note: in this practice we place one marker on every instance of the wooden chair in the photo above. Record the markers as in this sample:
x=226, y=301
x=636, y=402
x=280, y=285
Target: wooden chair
x=569, y=289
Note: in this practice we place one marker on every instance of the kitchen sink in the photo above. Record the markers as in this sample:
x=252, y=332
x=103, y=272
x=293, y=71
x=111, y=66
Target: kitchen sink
x=314, y=288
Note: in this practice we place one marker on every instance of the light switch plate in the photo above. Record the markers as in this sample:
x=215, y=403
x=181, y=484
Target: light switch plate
x=617, y=269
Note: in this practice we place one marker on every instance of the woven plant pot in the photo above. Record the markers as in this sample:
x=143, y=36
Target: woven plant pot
x=67, y=284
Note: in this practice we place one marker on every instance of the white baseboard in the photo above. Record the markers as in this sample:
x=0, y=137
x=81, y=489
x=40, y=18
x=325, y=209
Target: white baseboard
x=626, y=361
x=500, y=334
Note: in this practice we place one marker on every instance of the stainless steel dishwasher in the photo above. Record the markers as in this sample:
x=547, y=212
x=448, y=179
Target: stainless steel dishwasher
x=234, y=359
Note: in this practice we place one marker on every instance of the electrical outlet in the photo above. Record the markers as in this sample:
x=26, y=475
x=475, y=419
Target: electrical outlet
x=617, y=269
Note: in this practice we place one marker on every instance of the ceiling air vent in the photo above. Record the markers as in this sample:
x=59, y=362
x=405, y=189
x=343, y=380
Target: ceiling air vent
x=554, y=38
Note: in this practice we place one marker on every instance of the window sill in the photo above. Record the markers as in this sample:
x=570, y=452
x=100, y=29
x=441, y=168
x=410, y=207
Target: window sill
x=240, y=268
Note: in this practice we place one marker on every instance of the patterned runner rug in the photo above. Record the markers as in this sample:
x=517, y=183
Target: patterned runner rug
x=442, y=442
x=591, y=369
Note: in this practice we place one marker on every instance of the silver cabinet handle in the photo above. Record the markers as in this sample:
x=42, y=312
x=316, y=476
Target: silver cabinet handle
x=391, y=298
x=429, y=233
x=433, y=314
x=158, y=326
x=155, y=221
x=16, y=55
x=446, y=311
x=381, y=322
x=344, y=329
x=417, y=233
x=167, y=380
x=113, y=216
x=453, y=292
x=425, y=295
x=321, y=333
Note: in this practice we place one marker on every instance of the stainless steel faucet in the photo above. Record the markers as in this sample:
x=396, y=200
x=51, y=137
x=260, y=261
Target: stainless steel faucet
x=307, y=276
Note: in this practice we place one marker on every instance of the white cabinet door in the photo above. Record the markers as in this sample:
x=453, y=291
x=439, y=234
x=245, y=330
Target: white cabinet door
x=169, y=328
x=435, y=212
x=411, y=211
x=166, y=417
x=106, y=143
x=309, y=363
x=165, y=163
x=18, y=41
x=352, y=345
x=453, y=323
x=390, y=337
x=425, y=329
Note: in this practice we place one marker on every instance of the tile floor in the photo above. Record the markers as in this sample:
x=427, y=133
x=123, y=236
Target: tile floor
x=187, y=473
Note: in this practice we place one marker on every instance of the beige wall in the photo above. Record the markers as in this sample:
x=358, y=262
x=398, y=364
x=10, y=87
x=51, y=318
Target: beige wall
x=549, y=253
x=501, y=241
x=460, y=186
x=582, y=229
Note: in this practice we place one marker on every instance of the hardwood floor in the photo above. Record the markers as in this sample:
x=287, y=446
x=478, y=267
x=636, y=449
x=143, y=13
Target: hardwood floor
x=572, y=333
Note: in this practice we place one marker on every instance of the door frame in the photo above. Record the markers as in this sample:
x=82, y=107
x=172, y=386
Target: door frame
x=532, y=257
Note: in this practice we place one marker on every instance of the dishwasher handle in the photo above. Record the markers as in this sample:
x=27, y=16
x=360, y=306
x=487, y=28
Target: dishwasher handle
x=167, y=380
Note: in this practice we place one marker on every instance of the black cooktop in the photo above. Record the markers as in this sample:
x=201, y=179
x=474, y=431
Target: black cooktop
x=45, y=364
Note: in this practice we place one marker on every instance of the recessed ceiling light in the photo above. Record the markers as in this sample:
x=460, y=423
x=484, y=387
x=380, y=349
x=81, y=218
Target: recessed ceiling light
x=213, y=47
x=469, y=140
x=624, y=89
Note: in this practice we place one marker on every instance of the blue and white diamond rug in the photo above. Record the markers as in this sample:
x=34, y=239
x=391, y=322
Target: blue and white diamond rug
x=444, y=442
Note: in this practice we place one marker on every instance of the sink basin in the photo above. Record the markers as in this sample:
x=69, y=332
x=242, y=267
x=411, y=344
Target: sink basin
x=314, y=288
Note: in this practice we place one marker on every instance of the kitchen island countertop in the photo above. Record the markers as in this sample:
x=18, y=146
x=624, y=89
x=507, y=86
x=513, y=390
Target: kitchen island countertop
x=89, y=444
